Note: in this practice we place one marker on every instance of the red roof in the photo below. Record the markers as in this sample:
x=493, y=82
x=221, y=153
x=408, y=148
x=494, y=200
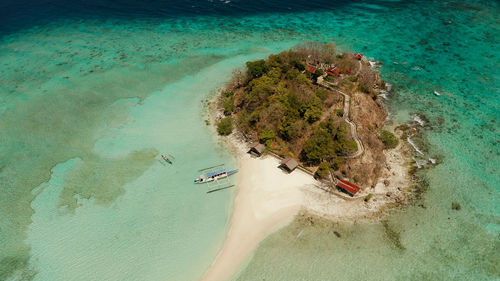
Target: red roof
x=333, y=72
x=349, y=187
x=359, y=55
x=311, y=68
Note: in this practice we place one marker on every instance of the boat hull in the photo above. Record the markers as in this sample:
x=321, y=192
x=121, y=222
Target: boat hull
x=206, y=178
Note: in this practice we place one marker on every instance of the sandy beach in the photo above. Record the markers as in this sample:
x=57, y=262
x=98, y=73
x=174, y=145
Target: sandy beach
x=268, y=198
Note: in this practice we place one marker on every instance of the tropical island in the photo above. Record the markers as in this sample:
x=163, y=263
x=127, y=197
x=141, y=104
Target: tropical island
x=298, y=104
x=322, y=110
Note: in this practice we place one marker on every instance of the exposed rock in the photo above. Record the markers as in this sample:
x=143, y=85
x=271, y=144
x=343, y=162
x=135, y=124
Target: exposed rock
x=387, y=182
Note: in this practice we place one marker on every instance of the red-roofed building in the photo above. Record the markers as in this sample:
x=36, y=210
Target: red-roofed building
x=358, y=56
x=333, y=71
x=338, y=71
x=311, y=68
x=348, y=187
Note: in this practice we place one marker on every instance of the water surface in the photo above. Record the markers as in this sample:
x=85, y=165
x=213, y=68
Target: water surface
x=93, y=92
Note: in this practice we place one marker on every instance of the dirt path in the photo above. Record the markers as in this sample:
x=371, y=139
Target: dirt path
x=347, y=106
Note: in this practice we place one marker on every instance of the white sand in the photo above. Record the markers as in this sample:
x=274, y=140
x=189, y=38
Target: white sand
x=267, y=198
x=330, y=206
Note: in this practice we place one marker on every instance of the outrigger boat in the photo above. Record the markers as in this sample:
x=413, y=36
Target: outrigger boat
x=214, y=176
x=166, y=159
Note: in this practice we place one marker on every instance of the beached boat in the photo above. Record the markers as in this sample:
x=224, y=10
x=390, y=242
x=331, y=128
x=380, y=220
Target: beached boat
x=214, y=176
x=166, y=159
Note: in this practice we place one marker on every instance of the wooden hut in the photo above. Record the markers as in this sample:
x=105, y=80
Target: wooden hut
x=348, y=187
x=289, y=164
x=257, y=149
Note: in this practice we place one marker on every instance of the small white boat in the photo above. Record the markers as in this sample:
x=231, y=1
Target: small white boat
x=436, y=93
x=166, y=159
x=213, y=176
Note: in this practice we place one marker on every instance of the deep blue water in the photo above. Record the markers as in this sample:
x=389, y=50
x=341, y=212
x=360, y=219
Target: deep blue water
x=15, y=15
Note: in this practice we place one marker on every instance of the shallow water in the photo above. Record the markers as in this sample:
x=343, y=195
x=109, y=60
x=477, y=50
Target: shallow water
x=91, y=97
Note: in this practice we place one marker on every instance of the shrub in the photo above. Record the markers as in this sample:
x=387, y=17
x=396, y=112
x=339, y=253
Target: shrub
x=323, y=170
x=225, y=126
x=318, y=147
x=297, y=64
x=368, y=197
x=336, y=162
x=292, y=74
x=356, y=178
x=322, y=94
x=330, y=78
x=302, y=79
x=227, y=94
x=313, y=114
x=266, y=135
x=257, y=68
x=228, y=106
x=243, y=121
x=388, y=138
x=339, y=112
x=288, y=128
x=352, y=78
x=318, y=73
x=363, y=88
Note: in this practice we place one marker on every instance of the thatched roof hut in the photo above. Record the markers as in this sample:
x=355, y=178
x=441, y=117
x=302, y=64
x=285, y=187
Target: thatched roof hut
x=289, y=164
x=257, y=149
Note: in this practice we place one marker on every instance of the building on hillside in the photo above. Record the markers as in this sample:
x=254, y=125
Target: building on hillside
x=257, y=149
x=358, y=56
x=311, y=68
x=348, y=187
x=289, y=164
x=333, y=71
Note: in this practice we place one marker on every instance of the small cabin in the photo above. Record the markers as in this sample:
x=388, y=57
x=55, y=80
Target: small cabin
x=358, y=56
x=257, y=149
x=311, y=68
x=289, y=164
x=348, y=187
x=333, y=71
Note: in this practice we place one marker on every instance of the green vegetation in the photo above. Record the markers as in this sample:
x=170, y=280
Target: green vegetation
x=257, y=68
x=323, y=170
x=267, y=136
x=368, y=197
x=225, y=126
x=363, y=88
x=356, y=178
x=388, y=138
x=228, y=103
x=329, y=140
x=279, y=104
x=322, y=94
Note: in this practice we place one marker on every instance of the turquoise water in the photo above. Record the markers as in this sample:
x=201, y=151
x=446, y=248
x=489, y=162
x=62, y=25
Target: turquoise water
x=88, y=105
